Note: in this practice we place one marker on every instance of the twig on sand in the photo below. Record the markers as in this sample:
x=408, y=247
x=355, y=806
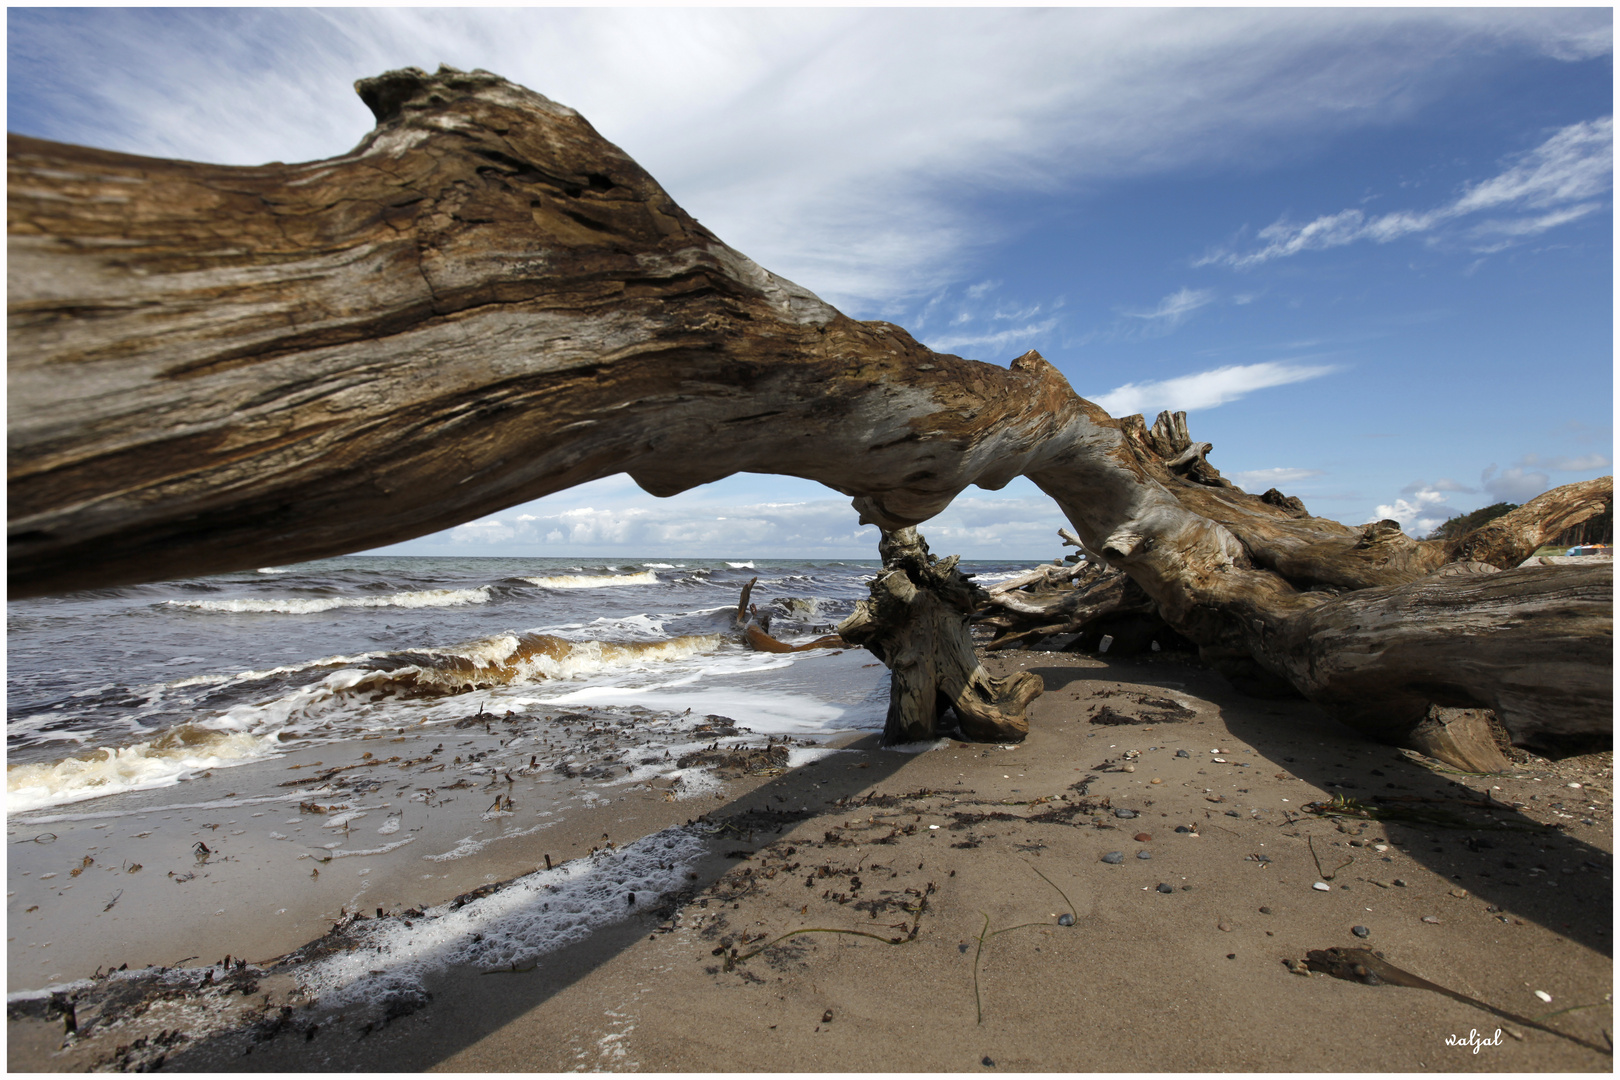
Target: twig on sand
x=1325, y=875
x=732, y=961
x=1072, y=912
x=977, y=1000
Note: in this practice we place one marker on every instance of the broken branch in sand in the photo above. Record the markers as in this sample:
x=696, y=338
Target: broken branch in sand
x=485, y=302
x=755, y=629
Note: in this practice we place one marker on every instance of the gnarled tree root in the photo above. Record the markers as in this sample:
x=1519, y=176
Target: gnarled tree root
x=916, y=622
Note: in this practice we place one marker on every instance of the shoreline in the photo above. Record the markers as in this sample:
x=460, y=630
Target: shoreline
x=1192, y=978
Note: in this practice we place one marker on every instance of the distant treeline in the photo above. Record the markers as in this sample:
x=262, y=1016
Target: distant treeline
x=1595, y=530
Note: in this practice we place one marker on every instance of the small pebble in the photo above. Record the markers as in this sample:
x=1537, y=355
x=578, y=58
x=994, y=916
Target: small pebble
x=1322, y=886
x=1124, y=813
x=1114, y=858
x=1065, y=919
x=988, y=1063
x=1224, y=928
x=1265, y=911
x=1182, y=753
x=1430, y=919
x=1155, y=780
x=1165, y=888
x=1361, y=931
x=1143, y=838
x=1543, y=995
x=1233, y=813
x=1183, y=829
x=1144, y=855
x=1399, y=883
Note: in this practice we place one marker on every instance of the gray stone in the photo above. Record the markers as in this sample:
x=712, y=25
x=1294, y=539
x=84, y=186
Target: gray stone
x=1182, y=753
x=1361, y=931
x=1065, y=919
x=1144, y=855
x=1124, y=813
x=1164, y=888
x=1114, y=858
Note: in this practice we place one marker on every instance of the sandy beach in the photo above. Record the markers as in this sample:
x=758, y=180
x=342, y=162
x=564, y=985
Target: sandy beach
x=996, y=928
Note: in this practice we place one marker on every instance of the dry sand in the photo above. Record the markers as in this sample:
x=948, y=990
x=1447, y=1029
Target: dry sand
x=980, y=850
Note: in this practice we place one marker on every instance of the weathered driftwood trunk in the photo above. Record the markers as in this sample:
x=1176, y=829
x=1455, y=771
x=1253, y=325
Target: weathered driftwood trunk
x=917, y=623
x=211, y=368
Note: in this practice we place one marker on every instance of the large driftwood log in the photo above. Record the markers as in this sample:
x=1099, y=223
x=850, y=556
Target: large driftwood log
x=916, y=622
x=212, y=368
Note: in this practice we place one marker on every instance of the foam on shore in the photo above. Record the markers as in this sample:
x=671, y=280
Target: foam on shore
x=530, y=917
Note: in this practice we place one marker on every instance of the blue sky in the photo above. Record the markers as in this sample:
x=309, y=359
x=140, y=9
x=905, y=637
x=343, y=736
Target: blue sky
x=1369, y=250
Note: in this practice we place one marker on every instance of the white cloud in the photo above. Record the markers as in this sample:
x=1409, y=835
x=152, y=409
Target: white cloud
x=844, y=148
x=1574, y=166
x=1424, y=506
x=694, y=524
x=1174, y=309
x=1206, y=389
x=977, y=292
x=1529, y=476
x=1260, y=479
x=1419, y=515
x=1584, y=463
x=1515, y=484
x=996, y=341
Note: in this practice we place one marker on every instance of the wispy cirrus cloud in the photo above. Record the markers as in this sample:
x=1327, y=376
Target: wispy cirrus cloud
x=1562, y=180
x=995, y=342
x=1261, y=479
x=1174, y=309
x=1206, y=389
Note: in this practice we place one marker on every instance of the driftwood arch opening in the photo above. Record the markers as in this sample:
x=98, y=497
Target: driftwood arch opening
x=485, y=301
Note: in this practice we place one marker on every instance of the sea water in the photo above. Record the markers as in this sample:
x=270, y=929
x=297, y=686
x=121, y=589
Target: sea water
x=393, y=720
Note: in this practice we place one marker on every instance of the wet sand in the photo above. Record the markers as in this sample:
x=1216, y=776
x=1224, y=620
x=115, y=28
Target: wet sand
x=969, y=856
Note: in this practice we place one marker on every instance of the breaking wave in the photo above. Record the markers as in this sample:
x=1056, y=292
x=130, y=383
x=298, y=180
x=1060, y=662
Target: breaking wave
x=593, y=581
x=425, y=598
x=158, y=762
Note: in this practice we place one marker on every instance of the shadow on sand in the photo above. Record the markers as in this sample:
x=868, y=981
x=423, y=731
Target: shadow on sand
x=467, y=1006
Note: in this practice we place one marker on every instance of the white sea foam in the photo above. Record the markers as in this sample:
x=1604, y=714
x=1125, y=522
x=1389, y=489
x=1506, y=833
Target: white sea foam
x=273, y=569
x=659, y=565
x=424, y=598
x=532, y=916
x=385, y=849
x=741, y=565
x=593, y=581
x=472, y=846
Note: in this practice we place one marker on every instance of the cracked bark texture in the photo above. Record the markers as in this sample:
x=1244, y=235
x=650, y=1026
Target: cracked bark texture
x=213, y=368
